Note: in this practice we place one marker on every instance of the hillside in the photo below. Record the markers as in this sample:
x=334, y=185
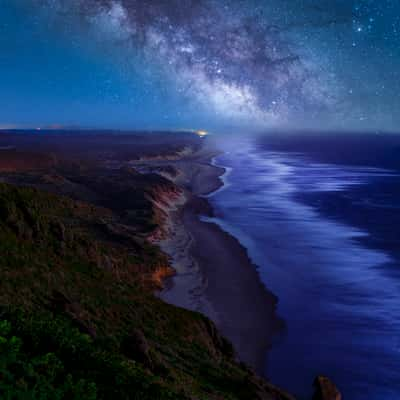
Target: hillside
x=79, y=318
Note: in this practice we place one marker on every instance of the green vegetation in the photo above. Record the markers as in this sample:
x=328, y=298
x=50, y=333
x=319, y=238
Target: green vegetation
x=25, y=375
x=78, y=318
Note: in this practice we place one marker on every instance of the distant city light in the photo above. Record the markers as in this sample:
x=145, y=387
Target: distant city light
x=202, y=133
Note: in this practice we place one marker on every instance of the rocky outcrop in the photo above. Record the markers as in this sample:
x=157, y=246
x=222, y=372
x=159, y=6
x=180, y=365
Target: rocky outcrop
x=165, y=200
x=325, y=389
x=160, y=274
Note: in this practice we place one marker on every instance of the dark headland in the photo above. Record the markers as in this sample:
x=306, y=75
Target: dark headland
x=95, y=227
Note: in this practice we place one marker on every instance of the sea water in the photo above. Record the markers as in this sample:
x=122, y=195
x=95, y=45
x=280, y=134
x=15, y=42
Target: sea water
x=326, y=239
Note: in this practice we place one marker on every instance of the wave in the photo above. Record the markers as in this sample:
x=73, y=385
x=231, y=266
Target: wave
x=340, y=303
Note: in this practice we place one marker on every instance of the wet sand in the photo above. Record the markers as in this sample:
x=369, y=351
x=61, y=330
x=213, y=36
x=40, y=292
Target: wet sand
x=214, y=273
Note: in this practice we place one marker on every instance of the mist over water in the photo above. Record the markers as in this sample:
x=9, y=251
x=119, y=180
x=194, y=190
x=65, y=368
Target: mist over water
x=337, y=281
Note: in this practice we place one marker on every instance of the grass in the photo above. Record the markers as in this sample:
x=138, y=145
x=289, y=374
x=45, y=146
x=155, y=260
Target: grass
x=78, y=318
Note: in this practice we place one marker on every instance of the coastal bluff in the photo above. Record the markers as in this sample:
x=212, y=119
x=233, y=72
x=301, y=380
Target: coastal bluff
x=79, y=270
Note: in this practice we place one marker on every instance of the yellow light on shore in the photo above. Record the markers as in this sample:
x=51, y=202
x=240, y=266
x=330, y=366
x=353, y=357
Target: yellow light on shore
x=202, y=133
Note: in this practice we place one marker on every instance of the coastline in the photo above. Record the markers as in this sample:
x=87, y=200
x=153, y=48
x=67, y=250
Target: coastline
x=214, y=274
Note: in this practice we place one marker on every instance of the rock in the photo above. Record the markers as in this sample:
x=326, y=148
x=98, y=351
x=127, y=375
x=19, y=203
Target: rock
x=160, y=274
x=325, y=389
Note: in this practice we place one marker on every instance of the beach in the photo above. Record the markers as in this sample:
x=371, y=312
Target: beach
x=214, y=274
x=322, y=228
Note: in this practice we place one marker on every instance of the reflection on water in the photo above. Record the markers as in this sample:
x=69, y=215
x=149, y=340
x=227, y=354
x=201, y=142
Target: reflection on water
x=341, y=306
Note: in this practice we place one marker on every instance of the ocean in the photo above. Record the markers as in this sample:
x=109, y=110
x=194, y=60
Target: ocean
x=320, y=217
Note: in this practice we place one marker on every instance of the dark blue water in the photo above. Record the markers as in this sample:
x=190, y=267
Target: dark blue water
x=325, y=233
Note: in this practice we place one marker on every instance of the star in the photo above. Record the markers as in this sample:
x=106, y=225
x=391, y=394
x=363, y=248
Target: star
x=226, y=60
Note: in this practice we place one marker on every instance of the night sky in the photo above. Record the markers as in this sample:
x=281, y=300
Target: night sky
x=210, y=64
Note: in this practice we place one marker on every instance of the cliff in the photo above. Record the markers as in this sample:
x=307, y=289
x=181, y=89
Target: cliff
x=79, y=268
x=79, y=318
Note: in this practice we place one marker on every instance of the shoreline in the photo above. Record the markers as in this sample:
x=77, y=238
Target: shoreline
x=214, y=274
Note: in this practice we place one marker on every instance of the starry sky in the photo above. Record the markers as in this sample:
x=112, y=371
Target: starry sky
x=210, y=64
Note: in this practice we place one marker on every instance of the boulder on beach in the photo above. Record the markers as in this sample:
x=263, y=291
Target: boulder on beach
x=325, y=389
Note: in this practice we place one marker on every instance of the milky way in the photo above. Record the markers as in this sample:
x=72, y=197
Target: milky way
x=297, y=63
x=223, y=55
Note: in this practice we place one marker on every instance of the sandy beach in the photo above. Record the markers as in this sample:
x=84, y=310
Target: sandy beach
x=214, y=274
